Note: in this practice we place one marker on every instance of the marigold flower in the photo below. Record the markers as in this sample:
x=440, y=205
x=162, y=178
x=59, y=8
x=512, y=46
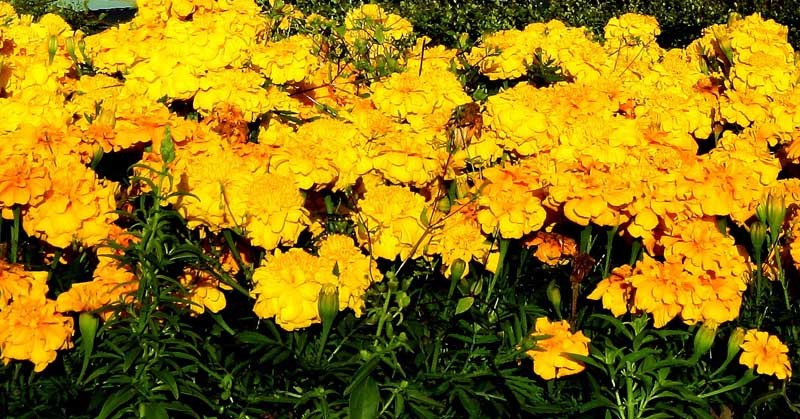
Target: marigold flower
x=460, y=237
x=409, y=93
x=354, y=270
x=510, y=201
x=287, y=288
x=32, y=328
x=550, y=357
x=77, y=207
x=391, y=222
x=287, y=60
x=766, y=353
x=552, y=248
x=615, y=290
x=205, y=291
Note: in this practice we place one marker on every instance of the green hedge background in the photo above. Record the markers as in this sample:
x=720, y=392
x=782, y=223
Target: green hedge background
x=442, y=20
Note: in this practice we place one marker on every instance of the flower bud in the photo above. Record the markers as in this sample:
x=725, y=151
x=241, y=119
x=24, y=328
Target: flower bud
x=704, y=339
x=69, y=44
x=772, y=212
x=554, y=295
x=457, y=269
x=444, y=205
x=758, y=235
x=52, y=47
x=88, y=323
x=734, y=343
x=328, y=303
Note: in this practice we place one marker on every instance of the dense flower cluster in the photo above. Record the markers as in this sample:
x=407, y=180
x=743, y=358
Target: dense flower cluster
x=659, y=144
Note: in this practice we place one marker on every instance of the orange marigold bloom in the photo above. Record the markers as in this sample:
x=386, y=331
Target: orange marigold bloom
x=552, y=248
x=550, y=357
x=616, y=290
x=205, y=291
x=460, y=237
x=510, y=201
x=32, y=327
x=766, y=353
x=78, y=207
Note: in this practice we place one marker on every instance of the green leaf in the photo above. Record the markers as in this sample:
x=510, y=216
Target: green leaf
x=364, y=400
x=362, y=373
x=114, y=402
x=154, y=411
x=464, y=303
x=169, y=381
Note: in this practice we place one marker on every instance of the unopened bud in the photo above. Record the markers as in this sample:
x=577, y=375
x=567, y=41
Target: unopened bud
x=457, y=269
x=88, y=323
x=772, y=212
x=52, y=47
x=758, y=235
x=554, y=295
x=734, y=343
x=444, y=205
x=328, y=303
x=704, y=339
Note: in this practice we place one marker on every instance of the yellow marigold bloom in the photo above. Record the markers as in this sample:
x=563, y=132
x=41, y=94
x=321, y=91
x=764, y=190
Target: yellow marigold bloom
x=766, y=354
x=16, y=282
x=459, y=236
x=287, y=287
x=409, y=93
x=519, y=118
x=504, y=54
x=275, y=208
x=354, y=270
x=111, y=281
x=241, y=88
x=406, y=157
x=552, y=248
x=287, y=60
x=631, y=29
x=510, y=201
x=205, y=291
x=744, y=107
x=370, y=23
x=32, y=328
x=656, y=287
x=78, y=207
x=631, y=39
x=362, y=22
x=702, y=247
x=794, y=236
x=322, y=153
x=391, y=222
x=763, y=59
x=550, y=357
x=615, y=291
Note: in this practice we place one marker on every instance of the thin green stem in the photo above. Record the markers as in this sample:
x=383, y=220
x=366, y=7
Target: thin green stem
x=504, y=243
x=609, y=245
x=15, y=229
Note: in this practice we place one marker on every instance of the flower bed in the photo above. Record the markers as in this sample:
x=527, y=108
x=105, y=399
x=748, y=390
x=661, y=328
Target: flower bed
x=389, y=216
